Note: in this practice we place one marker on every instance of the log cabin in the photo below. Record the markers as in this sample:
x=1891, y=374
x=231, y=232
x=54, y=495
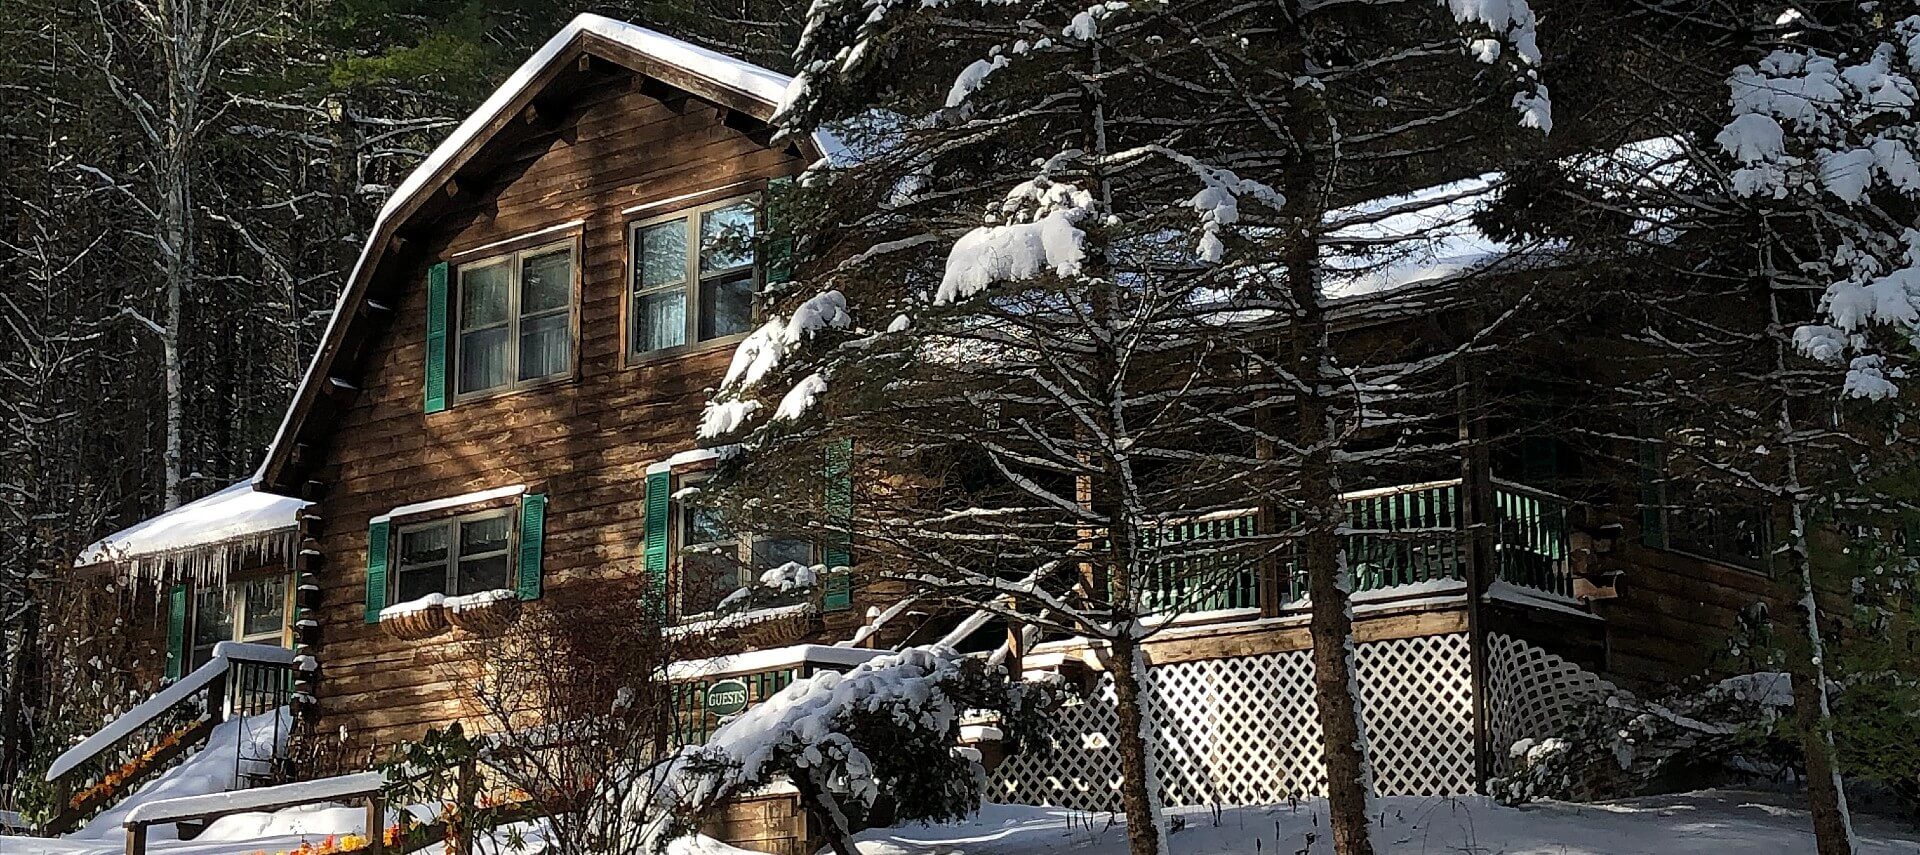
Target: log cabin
x=502, y=409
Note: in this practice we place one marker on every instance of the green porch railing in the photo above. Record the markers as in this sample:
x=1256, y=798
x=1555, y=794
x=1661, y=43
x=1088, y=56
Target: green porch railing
x=1397, y=537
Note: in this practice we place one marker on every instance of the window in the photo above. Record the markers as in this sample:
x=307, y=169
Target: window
x=693, y=276
x=212, y=622
x=715, y=561
x=252, y=610
x=1681, y=514
x=458, y=556
x=515, y=320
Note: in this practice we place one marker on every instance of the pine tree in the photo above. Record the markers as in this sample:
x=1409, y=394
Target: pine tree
x=1769, y=263
x=1068, y=295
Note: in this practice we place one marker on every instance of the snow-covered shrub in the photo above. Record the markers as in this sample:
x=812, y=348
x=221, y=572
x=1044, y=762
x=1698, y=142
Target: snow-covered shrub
x=881, y=739
x=1628, y=746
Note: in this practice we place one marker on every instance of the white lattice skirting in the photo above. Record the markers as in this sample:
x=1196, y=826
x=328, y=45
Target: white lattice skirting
x=1532, y=694
x=1244, y=730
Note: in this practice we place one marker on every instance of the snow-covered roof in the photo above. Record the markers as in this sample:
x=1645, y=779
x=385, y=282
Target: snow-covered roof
x=237, y=518
x=764, y=88
x=1429, y=235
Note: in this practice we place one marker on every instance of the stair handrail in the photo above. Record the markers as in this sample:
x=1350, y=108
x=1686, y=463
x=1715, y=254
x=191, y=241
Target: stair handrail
x=167, y=698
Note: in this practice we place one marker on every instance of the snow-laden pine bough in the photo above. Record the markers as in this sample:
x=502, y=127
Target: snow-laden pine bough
x=881, y=740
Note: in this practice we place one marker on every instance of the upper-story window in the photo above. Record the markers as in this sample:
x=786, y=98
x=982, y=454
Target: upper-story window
x=515, y=320
x=692, y=278
x=462, y=555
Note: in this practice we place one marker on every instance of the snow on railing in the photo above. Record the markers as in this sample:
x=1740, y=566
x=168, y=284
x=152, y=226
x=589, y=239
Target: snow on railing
x=172, y=695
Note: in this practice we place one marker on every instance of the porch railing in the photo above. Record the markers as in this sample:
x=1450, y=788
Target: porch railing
x=1397, y=538
x=241, y=680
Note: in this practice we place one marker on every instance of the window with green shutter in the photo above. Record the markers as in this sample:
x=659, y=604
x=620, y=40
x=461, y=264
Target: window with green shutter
x=533, y=528
x=838, y=554
x=376, y=570
x=691, y=276
x=436, y=368
x=658, y=511
x=176, y=632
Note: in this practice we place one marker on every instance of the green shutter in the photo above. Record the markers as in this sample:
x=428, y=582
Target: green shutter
x=777, y=245
x=659, y=489
x=839, y=548
x=176, y=632
x=437, y=338
x=1653, y=473
x=533, y=527
x=376, y=570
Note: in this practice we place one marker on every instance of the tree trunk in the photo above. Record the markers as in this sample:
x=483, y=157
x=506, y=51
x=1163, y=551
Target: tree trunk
x=825, y=811
x=1349, y=779
x=1335, y=688
x=1812, y=716
x=1139, y=786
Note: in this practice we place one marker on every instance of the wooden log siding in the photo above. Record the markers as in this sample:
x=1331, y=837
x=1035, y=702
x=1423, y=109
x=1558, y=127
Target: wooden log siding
x=589, y=439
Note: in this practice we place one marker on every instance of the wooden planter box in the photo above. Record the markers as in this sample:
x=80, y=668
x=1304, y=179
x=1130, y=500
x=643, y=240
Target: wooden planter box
x=485, y=618
x=417, y=624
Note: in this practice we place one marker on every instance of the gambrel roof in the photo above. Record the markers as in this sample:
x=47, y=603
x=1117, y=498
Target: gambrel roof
x=590, y=44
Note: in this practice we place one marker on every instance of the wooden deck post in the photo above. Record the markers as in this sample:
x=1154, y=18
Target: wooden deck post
x=1478, y=521
x=376, y=824
x=136, y=838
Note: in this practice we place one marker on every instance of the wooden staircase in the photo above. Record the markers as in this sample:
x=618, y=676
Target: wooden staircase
x=101, y=771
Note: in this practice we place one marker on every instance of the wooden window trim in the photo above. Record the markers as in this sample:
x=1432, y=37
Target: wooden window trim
x=512, y=252
x=450, y=565
x=690, y=286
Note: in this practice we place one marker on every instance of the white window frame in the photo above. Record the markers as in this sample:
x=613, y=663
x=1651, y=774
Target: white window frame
x=691, y=280
x=450, y=564
x=514, y=262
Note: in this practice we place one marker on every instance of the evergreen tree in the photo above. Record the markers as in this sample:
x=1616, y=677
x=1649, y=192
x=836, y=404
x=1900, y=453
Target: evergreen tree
x=1068, y=295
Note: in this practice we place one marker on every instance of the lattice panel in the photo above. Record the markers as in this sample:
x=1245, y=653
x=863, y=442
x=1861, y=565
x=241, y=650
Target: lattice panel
x=1532, y=694
x=1244, y=730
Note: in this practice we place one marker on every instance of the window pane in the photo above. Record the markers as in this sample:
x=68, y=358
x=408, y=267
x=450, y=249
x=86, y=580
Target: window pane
x=212, y=617
x=726, y=305
x=483, y=574
x=726, y=237
x=703, y=525
x=424, y=546
x=545, y=281
x=483, y=295
x=266, y=607
x=659, y=320
x=483, y=359
x=417, y=583
x=484, y=535
x=706, y=580
x=662, y=252
x=771, y=552
x=544, y=343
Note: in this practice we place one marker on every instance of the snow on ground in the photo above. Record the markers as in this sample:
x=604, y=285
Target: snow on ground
x=209, y=770
x=1703, y=823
